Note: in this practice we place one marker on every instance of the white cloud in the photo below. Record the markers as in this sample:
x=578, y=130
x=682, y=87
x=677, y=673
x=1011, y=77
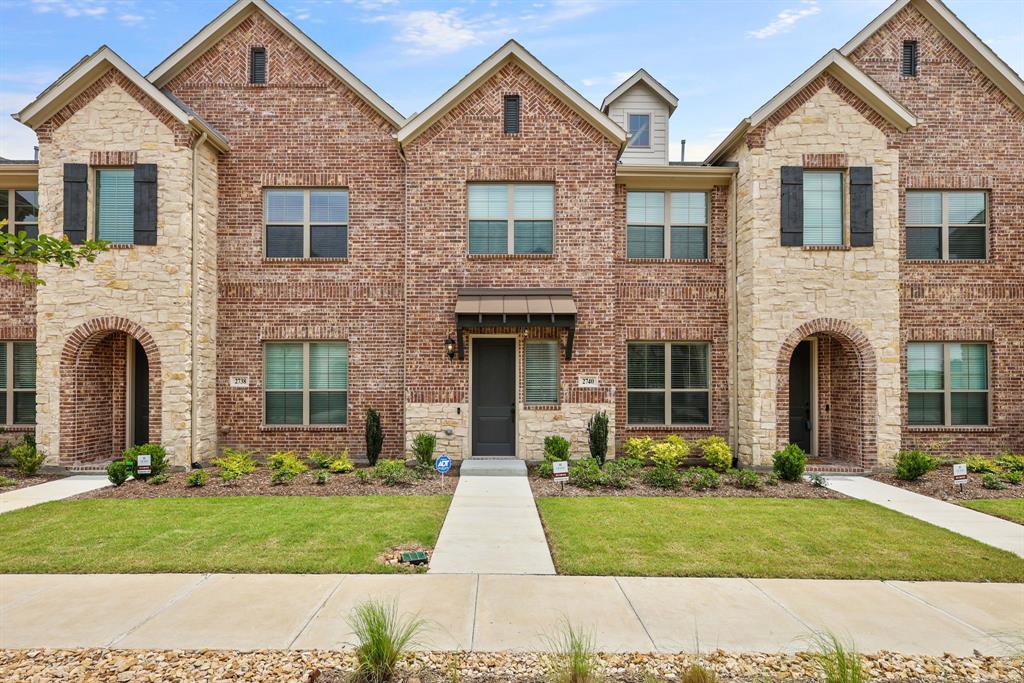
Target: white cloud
x=616, y=78
x=786, y=19
x=76, y=8
x=16, y=139
x=131, y=19
x=429, y=32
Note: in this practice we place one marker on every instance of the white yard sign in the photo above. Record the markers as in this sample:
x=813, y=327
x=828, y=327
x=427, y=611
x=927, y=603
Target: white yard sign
x=560, y=470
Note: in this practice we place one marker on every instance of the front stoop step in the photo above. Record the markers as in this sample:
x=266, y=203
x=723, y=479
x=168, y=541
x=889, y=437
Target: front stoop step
x=493, y=467
x=844, y=470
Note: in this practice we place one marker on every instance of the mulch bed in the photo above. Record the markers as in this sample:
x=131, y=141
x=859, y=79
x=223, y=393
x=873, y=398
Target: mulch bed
x=23, y=481
x=939, y=484
x=784, y=489
x=258, y=484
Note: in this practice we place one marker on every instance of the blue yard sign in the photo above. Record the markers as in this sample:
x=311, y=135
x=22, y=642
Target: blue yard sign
x=443, y=464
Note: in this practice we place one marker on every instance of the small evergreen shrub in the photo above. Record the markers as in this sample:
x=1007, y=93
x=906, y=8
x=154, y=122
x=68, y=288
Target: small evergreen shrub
x=556, y=448
x=319, y=459
x=717, y=452
x=423, y=448
x=364, y=476
x=27, y=458
x=1013, y=477
x=285, y=466
x=6, y=482
x=392, y=473
x=1011, y=462
x=981, y=465
x=911, y=465
x=321, y=476
x=747, y=479
x=586, y=474
x=157, y=459
x=619, y=473
x=771, y=479
x=341, y=464
x=639, y=448
x=663, y=477
x=597, y=433
x=670, y=451
x=818, y=479
x=234, y=464
x=990, y=480
x=374, y=436
x=702, y=478
x=118, y=472
x=789, y=463
x=197, y=478
x=162, y=478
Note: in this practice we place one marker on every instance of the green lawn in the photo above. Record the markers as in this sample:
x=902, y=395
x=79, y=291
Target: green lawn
x=761, y=537
x=1007, y=508
x=298, y=534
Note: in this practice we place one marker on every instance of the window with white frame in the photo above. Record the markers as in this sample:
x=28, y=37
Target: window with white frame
x=946, y=225
x=541, y=371
x=673, y=223
x=823, y=208
x=511, y=219
x=115, y=205
x=305, y=383
x=20, y=208
x=309, y=223
x=17, y=383
x=639, y=130
x=668, y=383
x=947, y=383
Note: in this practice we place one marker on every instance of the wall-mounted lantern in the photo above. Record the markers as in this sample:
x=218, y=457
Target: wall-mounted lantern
x=449, y=347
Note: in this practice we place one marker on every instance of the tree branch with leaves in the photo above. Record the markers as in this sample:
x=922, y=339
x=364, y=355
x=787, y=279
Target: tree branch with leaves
x=18, y=250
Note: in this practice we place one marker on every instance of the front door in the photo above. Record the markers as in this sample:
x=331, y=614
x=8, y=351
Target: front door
x=801, y=394
x=140, y=396
x=494, y=396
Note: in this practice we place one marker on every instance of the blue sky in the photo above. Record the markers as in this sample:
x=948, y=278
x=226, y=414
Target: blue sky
x=722, y=59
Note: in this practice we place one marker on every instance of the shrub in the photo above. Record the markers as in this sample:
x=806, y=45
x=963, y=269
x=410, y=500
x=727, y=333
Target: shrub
x=990, y=480
x=556, y=448
x=383, y=638
x=702, y=478
x=639, y=448
x=789, y=463
x=423, y=447
x=7, y=481
x=698, y=673
x=27, y=458
x=911, y=465
x=717, y=452
x=818, y=479
x=981, y=465
x=319, y=459
x=663, y=477
x=234, y=464
x=392, y=472
x=840, y=663
x=573, y=658
x=157, y=459
x=118, y=472
x=586, y=474
x=285, y=466
x=771, y=479
x=197, y=478
x=374, y=436
x=341, y=464
x=619, y=473
x=670, y=451
x=747, y=479
x=321, y=476
x=597, y=433
x=1013, y=477
x=1011, y=462
x=162, y=478
x=363, y=476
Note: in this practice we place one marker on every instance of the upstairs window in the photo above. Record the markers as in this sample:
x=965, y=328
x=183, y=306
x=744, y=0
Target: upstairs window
x=511, y=219
x=909, y=66
x=946, y=225
x=668, y=383
x=17, y=382
x=823, y=208
x=639, y=130
x=115, y=205
x=258, y=65
x=673, y=223
x=947, y=384
x=306, y=383
x=511, y=114
x=20, y=208
x=306, y=223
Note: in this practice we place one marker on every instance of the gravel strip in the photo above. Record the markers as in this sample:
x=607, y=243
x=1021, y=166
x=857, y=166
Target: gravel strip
x=939, y=484
x=124, y=666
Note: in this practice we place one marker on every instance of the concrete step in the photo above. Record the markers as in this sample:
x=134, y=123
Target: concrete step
x=493, y=467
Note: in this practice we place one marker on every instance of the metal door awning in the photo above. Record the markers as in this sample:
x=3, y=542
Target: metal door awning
x=521, y=307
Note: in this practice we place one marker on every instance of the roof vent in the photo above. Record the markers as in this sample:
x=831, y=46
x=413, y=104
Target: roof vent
x=258, y=65
x=909, y=58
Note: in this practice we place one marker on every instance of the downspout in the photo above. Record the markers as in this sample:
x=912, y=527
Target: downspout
x=193, y=433
x=734, y=325
x=405, y=280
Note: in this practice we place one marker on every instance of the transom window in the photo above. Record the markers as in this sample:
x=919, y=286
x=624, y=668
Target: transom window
x=306, y=223
x=668, y=383
x=17, y=382
x=947, y=384
x=20, y=208
x=306, y=383
x=823, y=208
x=541, y=370
x=673, y=223
x=946, y=225
x=511, y=219
x=115, y=205
x=639, y=130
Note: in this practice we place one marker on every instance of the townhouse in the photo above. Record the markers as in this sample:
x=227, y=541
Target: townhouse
x=845, y=271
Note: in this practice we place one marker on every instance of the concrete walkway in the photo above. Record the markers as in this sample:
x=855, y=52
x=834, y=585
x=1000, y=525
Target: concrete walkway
x=492, y=527
x=52, y=490
x=494, y=612
x=971, y=523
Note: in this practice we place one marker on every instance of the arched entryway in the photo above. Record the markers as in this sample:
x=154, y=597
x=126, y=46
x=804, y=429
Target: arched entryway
x=827, y=398
x=110, y=391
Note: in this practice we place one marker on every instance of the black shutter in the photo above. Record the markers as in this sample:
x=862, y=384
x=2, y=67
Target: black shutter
x=258, y=65
x=792, y=206
x=76, y=198
x=862, y=213
x=145, y=204
x=909, y=58
x=512, y=114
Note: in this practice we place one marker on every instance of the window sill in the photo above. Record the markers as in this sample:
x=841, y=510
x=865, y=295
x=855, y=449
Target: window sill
x=946, y=261
x=508, y=257
x=542, y=406
x=302, y=428
x=662, y=428
x=951, y=428
x=119, y=246
x=7, y=429
x=288, y=260
x=669, y=261
x=826, y=247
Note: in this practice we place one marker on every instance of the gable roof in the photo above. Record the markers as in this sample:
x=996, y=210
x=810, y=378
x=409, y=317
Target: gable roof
x=958, y=33
x=835, y=64
x=86, y=72
x=510, y=51
x=236, y=14
x=641, y=76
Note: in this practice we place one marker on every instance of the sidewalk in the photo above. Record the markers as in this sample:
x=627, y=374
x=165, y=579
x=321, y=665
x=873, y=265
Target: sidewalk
x=52, y=490
x=971, y=523
x=495, y=612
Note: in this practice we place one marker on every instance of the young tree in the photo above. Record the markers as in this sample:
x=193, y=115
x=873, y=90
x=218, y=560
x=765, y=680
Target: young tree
x=17, y=250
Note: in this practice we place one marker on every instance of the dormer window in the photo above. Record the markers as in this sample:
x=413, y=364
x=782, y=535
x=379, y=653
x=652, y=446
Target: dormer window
x=511, y=114
x=639, y=130
x=909, y=67
x=258, y=65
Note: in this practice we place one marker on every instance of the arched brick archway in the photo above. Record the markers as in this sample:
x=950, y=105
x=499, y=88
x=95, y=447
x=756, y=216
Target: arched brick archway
x=848, y=401
x=93, y=378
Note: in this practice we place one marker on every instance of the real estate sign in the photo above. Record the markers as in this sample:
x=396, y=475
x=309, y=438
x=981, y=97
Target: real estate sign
x=560, y=470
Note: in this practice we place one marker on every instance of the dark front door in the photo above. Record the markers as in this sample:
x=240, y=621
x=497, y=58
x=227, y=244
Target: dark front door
x=800, y=396
x=494, y=396
x=140, y=393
